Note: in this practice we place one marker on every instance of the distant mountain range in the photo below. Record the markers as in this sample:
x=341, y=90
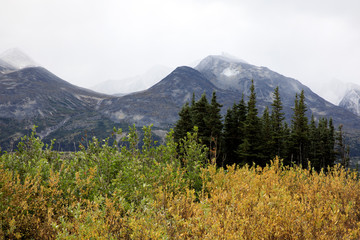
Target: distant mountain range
x=230, y=79
x=32, y=95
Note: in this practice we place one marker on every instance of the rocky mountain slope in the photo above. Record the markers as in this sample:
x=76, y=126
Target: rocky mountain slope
x=33, y=95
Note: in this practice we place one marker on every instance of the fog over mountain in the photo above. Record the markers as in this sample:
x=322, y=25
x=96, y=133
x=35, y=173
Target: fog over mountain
x=15, y=58
x=133, y=84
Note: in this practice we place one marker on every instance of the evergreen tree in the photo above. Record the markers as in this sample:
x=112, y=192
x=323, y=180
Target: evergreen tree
x=286, y=144
x=214, y=118
x=241, y=113
x=277, y=119
x=215, y=125
x=249, y=150
x=229, y=137
x=267, y=136
x=321, y=144
x=331, y=144
x=234, y=131
x=184, y=124
x=299, y=131
x=342, y=150
x=241, y=116
x=200, y=112
x=314, y=148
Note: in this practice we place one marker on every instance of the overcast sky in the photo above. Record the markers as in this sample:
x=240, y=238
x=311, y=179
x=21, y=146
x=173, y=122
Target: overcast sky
x=89, y=41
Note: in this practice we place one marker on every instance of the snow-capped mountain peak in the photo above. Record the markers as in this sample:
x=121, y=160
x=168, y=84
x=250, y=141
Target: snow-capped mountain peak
x=351, y=99
x=17, y=59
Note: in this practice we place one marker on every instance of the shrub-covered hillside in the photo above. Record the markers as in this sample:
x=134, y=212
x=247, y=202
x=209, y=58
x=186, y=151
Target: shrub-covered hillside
x=168, y=191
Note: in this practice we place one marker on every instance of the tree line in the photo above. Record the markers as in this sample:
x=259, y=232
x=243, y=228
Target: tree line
x=243, y=137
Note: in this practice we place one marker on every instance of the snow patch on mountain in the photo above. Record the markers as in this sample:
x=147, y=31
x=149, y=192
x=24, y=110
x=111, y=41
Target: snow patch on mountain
x=230, y=72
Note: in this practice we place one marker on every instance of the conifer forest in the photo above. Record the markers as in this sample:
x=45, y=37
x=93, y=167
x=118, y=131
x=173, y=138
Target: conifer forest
x=244, y=138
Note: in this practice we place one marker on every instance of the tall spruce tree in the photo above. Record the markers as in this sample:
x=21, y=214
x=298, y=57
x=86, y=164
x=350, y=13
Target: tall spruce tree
x=200, y=115
x=314, y=148
x=250, y=150
x=342, y=149
x=267, y=137
x=229, y=137
x=215, y=125
x=234, y=131
x=286, y=150
x=241, y=113
x=184, y=124
x=299, y=131
x=215, y=119
x=323, y=140
x=321, y=152
x=277, y=122
x=331, y=144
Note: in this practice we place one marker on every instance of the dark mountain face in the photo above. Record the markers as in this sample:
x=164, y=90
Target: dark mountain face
x=158, y=105
x=35, y=96
x=33, y=92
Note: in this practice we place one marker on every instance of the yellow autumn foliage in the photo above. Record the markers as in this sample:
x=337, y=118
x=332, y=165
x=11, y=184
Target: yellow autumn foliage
x=275, y=202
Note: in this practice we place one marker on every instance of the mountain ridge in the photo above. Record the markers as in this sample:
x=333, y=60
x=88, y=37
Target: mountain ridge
x=64, y=111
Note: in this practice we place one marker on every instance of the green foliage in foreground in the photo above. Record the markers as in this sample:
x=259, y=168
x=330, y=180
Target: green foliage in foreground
x=168, y=191
x=121, y=171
